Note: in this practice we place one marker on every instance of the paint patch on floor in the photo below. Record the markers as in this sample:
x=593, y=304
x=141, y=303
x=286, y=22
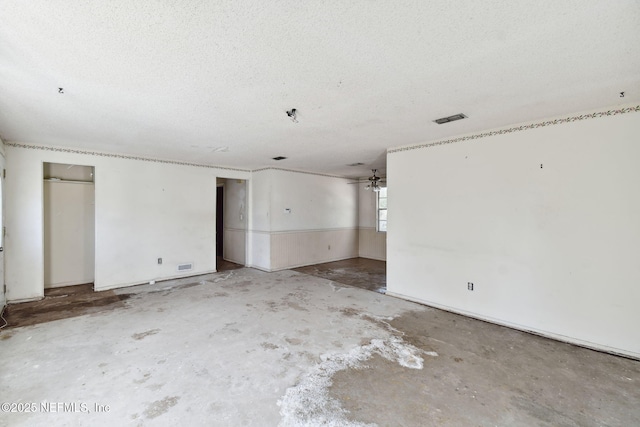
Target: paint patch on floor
x=159, y=407
x=308, y=403
x=141, y=335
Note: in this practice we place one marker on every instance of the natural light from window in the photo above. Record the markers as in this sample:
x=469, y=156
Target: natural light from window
x=382, y=209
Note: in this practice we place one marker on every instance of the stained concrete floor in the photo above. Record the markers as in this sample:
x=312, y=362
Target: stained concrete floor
x=360, y=272
x=244, y=347
x=73, y=301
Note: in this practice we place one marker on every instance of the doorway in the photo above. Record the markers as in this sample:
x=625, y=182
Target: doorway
x=231, y=223
x=69, y=225
x=220, y=220
x=3, y=297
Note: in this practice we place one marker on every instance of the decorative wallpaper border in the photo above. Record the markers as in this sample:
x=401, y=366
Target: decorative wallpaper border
x=118, y=156
x=390, y=151
x=148, y=159
x=521, y=128
x=303, y=172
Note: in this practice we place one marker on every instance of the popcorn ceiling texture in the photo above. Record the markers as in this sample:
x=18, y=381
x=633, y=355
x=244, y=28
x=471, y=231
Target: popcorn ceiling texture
x=177, y=81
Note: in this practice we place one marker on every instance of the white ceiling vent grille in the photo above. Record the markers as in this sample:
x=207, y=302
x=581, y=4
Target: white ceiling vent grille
x=185, y=267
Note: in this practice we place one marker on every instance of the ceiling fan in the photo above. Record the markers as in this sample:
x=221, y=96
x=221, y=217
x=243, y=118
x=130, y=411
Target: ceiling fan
x=373, y=182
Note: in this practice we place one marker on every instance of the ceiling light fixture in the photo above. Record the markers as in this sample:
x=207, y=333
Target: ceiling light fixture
x=293, y=115
x=450, y=119
x=373, y=182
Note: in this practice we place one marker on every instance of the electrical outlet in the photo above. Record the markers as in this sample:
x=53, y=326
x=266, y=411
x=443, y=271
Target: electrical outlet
x=159, y=260
x=470, y=286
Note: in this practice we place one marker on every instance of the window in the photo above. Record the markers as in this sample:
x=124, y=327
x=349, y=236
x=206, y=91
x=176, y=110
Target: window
x=382, y=209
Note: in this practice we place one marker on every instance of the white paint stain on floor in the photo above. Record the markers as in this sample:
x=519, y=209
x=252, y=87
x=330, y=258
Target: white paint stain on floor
x=308, y=403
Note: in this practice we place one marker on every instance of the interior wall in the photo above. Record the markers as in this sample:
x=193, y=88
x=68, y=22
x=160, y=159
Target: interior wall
x=145, y=210
x=3, y=298
x=259, y=224
x=302, y=219
x=371, y=243
x=544, y=223
x=235, y=220
x=69, y=230
x=67, y=172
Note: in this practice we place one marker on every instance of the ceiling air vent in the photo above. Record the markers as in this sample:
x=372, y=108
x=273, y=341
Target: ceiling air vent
x=279, y=158
x=185, y=267
x=450, y=119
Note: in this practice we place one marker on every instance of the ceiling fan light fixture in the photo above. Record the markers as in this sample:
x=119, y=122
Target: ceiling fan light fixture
x=373, y=182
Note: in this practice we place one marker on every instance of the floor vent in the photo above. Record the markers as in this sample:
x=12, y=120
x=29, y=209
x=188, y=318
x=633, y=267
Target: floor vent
x=185, y=267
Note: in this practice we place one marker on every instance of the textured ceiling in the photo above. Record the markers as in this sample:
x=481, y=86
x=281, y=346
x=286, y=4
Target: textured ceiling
x=210, y=81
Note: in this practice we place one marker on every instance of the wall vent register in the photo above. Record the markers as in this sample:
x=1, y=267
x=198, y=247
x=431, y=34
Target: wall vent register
x=185, y=267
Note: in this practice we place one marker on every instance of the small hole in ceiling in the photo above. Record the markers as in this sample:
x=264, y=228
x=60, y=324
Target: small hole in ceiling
x=293, y=115
x=60, y=90
x=279, y=158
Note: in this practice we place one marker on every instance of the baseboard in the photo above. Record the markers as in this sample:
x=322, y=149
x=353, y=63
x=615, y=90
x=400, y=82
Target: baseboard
x=146, y=282
x=271, y=270
x=314, y=263
x=19, y=300
x=372, y=257
x=235, y=262
x=65, y=284
x=546, y=334
x=266, y=270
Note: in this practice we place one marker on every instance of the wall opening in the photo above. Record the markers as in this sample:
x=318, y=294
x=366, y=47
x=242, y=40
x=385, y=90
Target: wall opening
x=3, y=290
x=231, y=221
x=220, y=220
x=69, y=225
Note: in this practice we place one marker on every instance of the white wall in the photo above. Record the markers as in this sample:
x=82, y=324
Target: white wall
x=144, y=210
x=3, y=299
x=259, y=220
x=69, y=235
x=551, y=249
x=371, y=243
x=319, y=226
x=317, y=202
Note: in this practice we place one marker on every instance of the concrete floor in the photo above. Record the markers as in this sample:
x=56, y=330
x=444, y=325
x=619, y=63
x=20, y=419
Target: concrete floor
x=244, y=347
x=360, y=272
